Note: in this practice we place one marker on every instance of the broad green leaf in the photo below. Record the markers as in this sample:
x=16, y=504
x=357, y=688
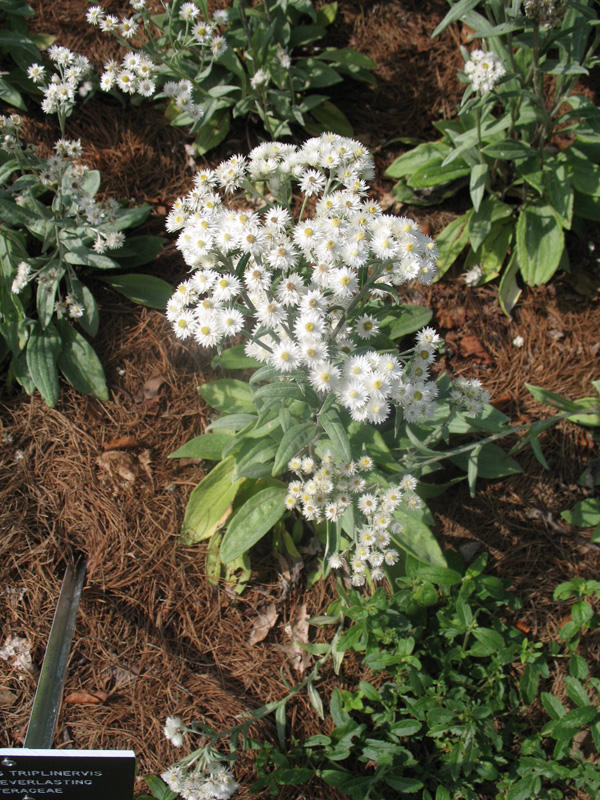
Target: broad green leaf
x=584, y=514
x=477, y=184
x=457, y=12
x=79, y=363
x=329, y=118
x=592, y=420
x=208, y=446
x=492, y=462
x=43, y=349
x=234, y=358
x=416, y=158
x=540, y=244
x=404, y=785
x=417, y=539
x=433, y=173
x=451, y=242
x=213, y=132
x=334, y=428
x=210, y=503
x=228, y=394
x=327, y=14
x=481, y=221
x=408, y=319
x=83, y=255
x=508, y=150
x=292, y=443
x=131, y=217
x=552, y=705
x=508, y=288
x=559, y=193
x=159, y=790
x=138, y=250
x=252, y=521
x=146, y=290
x=551, y=398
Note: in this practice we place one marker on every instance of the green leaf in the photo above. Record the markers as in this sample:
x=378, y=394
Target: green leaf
x=508, y=288
x=405, y=785
x=570, y=723
x=551, y=398
x=86, y=257
x=208, y=446
x=159, y=789
x=540, y=244
x=292, y=443
x=252, y=521
x=329, y=118
x=79, y=363
x=334, y=428
x=228, y=394
x=414, y=159
x=477, y=184
x=131, y=217
x=457, y=12
x=492, y=462
x=509, y=150
x=480, y=223
x=327, y=14
x=234, y=358
x=43, y=349
x=553, y=705
x=210, y=503
x=451, y=242
x=138, y=250
x=558, y=191
x=417, y=539
x=409, y=319
x=11, y=95
x=592, y=420
x=146, y=290
x=584, y=514
x=433, y=173
x=212, y=132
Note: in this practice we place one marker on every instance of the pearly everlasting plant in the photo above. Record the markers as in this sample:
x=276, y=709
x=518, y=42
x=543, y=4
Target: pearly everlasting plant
x=214, y=65
x=527, y=186
x=62, y=86
x=54, y=231
x=293, y=261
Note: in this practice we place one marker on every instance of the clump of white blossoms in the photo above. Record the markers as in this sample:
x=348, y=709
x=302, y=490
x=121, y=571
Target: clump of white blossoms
x=484, y=70
x=326, y=490
x=201, y=776
x=60, y=89
x=142, y=70
x=306, y=290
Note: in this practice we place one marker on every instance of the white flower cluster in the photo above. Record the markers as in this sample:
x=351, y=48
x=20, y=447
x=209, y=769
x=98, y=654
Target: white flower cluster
x=134, y=75
x=22, y=277
x=138, y=73
x=194, y=783
x=484, y=71
x=59, y=91
x=326, y=490
x=219, y=784
x=302, y=286
x=468, y=393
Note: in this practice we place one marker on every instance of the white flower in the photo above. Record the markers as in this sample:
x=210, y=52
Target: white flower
x=473, y=275
x=518, y=341
x=484, y=70
x=174, y=730
x=35, y=72
x=260, y=78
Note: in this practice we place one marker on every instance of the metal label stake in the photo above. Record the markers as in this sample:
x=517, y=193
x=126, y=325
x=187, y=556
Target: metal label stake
x=36, y=771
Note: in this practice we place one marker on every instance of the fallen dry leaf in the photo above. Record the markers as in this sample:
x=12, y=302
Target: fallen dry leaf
x=122, y=443
x=150, y=389
x=7, y=698
x=17, y=651
x=453, y=316
x=118, y=468
x=263, y=624
x=471, y=347
x=298, y=632
x=144, y=460
x=83, y=698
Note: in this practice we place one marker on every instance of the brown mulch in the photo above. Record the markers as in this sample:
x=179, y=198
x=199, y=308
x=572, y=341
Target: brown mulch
x=153, y=638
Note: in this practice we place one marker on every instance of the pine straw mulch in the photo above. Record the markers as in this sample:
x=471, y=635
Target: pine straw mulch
x=153, y=637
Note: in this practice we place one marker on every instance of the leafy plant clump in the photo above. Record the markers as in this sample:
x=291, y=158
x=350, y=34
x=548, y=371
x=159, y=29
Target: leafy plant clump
x=54, y=236
x=444, y=715
x=445, y=709
x=527, y=188
x=262, y=60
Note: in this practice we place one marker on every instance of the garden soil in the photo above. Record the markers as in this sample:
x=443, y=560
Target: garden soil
x=153, y=638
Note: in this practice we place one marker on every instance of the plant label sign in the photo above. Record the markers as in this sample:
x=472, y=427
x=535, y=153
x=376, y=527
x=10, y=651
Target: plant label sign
x=66, y=774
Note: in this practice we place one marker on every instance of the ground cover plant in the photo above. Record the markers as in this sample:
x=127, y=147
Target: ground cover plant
x=157, y=639
x=527, y=191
